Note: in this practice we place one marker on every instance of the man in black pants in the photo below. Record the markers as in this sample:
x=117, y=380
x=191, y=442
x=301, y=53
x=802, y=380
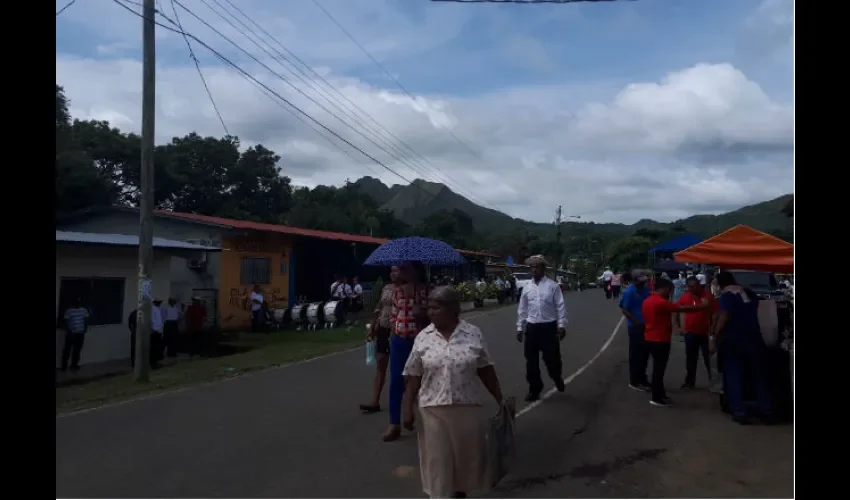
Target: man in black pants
x=541, y=324
x=698, y=325
x=658, y=316
x=632, y=307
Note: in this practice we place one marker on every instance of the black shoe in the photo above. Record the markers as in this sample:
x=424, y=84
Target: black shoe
x=530, y=397
x=459, y=494
x=370, y=408
x=559, y=384
x=666, y=403
x=687, y=387
x=641, y=387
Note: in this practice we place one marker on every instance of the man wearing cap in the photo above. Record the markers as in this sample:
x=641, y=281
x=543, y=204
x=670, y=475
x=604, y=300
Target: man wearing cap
x=541, y=324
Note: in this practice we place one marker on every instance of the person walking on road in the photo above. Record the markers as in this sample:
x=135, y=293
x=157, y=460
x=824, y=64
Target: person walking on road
x=409, y=316
x=657, y=315
x=607, y=276
x=448, y=359
x=615, y=286
x=631, y=306
x=379, y=332
x=742, y=348
x=698, y=325
x=541, y=324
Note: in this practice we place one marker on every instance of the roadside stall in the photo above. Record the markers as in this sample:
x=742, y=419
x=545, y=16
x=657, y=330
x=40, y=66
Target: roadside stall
x=745, y=248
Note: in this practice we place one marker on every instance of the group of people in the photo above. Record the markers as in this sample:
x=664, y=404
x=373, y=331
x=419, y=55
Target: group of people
x=725, y=322
x=166, y=338
x=349, y=295
x=440, y=361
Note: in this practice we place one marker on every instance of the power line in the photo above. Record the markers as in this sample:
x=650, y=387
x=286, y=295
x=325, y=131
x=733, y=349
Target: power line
x=198, y=67
x=417, y=163
x=528, y=1
x=294, y=87
x=66, y=7
x=386, y=72
x=245, y=74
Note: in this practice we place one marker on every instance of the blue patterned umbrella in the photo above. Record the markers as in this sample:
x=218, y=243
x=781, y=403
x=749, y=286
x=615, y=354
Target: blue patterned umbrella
x=415, y=248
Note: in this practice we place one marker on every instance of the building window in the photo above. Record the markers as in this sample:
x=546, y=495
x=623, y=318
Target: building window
x=256, y=270
x=104, y=298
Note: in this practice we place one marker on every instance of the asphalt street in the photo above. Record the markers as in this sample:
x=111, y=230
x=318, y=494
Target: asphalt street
x=296, y=431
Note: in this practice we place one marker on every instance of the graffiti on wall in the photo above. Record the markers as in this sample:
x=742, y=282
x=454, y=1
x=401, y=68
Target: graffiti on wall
x=241, y=298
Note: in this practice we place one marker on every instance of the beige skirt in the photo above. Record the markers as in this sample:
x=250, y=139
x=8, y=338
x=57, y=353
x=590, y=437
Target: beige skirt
x=452, y=450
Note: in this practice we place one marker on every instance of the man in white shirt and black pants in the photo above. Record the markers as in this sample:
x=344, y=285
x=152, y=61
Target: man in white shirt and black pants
x=542, y=324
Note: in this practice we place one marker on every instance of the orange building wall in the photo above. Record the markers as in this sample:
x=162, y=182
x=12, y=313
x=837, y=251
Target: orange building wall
x=234, y=297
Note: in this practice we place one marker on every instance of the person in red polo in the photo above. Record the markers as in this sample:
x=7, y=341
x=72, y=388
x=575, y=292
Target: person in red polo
x=697, y=328
x=658, y=317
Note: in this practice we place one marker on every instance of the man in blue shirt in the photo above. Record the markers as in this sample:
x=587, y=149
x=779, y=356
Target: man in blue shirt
x=738, y=336
x=631, y=305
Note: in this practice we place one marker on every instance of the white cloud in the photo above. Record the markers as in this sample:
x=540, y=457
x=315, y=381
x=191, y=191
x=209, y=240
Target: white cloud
x=701, y=139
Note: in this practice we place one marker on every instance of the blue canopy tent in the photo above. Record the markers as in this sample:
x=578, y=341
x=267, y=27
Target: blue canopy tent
x=677, y=244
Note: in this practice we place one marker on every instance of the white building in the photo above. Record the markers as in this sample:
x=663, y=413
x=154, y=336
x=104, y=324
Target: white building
x=102, y=270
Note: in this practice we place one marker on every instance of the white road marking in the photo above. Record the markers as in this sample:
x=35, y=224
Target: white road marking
x=575, y=373
x=234, y=377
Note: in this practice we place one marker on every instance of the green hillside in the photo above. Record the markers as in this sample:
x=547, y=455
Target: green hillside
x=421, y=198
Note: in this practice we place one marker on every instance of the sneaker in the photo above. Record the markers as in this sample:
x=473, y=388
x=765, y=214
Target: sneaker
x=666, y=403
x=640, y=387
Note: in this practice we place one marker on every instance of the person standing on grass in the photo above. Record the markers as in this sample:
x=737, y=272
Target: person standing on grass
x=657, y=314
x=379, y=332
x=76, y=320
x=698, y=325
x=409, y=316
x=257, y=320
x=542, y=324
x=171, y=328
x=157, y=328
x=631, y=306
x=196, y=318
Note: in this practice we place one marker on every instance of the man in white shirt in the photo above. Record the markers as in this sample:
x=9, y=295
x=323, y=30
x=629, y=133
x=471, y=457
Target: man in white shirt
x=356, y=295
x=257, y=309
x=541, y=323
x=607, y=276
x=171, y=327
x=157, y=327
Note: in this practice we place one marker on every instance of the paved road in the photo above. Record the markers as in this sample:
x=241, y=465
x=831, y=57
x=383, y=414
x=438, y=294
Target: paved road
x=296, y=432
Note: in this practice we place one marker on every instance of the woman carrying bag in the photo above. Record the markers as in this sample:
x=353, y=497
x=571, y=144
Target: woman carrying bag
x=448, y=359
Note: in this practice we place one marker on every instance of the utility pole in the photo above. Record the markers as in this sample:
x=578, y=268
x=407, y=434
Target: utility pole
x=141, y=371
x=558, y=237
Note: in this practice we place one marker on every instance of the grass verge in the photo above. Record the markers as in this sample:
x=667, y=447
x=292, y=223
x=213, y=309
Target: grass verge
x=267, y=351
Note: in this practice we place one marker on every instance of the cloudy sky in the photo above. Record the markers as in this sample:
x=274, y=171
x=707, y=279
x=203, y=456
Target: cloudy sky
x=617, y=111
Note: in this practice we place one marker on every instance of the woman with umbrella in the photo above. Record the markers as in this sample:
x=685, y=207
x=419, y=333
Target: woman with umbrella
x=409, y=305
x=409, y=316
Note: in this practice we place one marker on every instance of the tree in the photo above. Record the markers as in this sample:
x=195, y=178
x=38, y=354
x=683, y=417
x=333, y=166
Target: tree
x=788, y=209
x=628, y=253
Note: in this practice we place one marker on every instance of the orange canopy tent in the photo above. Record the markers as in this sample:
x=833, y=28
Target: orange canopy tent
x=742, y=247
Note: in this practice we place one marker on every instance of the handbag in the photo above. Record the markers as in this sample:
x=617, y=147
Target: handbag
x=500, y=444
x=371, y=360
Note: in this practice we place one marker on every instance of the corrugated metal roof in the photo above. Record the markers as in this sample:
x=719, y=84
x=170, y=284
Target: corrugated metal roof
x=126, y=240
x=296, y=231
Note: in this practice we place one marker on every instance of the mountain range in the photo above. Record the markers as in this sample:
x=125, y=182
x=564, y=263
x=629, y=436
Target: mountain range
x=413, y=202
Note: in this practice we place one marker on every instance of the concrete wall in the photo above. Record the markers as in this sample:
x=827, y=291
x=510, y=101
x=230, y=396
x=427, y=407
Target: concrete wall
x=107, y=342
x=182, y=279
x=234, y=303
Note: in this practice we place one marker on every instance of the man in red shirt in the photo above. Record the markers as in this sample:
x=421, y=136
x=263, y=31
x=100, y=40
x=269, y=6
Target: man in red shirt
x=196, y=318
x=658, y=317
x=697, y=328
